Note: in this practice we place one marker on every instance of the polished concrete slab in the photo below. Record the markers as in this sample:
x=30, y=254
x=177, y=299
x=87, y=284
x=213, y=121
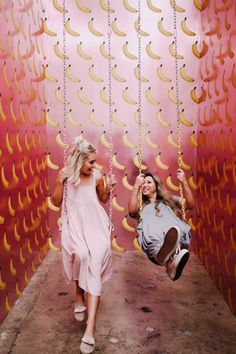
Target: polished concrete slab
x=141, y=312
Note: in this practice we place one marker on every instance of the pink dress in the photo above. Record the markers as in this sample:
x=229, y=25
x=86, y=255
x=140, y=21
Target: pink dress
x=86, y=245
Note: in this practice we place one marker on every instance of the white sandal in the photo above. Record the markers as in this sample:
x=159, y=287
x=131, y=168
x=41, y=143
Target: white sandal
x=87, y=345
x=80, y=312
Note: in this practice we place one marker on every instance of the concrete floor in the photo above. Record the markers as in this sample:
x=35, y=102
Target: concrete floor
x=141, y=312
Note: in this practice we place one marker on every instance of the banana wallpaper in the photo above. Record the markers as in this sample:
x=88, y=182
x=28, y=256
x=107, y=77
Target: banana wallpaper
x=57, y=69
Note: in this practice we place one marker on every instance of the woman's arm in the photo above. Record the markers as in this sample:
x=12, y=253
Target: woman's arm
x=133, y=205
x=104, y=187
x=187, y=193
x=57, y=195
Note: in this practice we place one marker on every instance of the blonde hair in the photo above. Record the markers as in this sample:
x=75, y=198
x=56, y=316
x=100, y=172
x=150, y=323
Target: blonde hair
x=79, y=152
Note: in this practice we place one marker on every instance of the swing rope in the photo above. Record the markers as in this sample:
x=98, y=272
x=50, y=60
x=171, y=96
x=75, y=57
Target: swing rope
x=178, y=109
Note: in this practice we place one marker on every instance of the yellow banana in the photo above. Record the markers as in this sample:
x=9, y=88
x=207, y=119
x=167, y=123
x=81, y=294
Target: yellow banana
x=18, y=291
x=8, y=144
x=150, y=97
x=116, y=164
x=198, y=99
x=2, y=220
x=185, y=29
x=171, y=185
x=104, y=97
x=105, y=7
x=58, y=7
x=22, y=258
x=70, y=76
x=127, y=98
x=49, y=120
x=183, y=120
x=51, y=206
x=172, y=98
x=82, y=7
x=2, y=114
x=13, y=270
x=93, y=30
x=71, y=120
x=93, y=75
x=2, y=282
x=21, y=204
x=170, y=140
x=184, y=165
x=13, y=115
x=126, y=141
x=59, y=98
x=199, y=53
x=115, y=245
x=16, y=234
x=36, y=239
x=6, y=244
x=150, y=53
x=125, y=183
x=49, y=77
x=160, y=163
x=172, y=52
x=163, y=122
x=176, y=7
x=137, y=163
x=149, y=141
x=116, y=120
x=19, y=147
x=127, y=53
x=162, y=29
x=126, y=225
x=15, y=177
x=138, y=75
x=138, y=121
x=11, y=210
x=81, y=52
x=28, y=195
x=104, y=141
x=116, y=30
x=152, y=7
x=104, y=53
x=162, y=76
x=58, y=52
x=135, y=244
x=116, y=205
x=16, y=83
x=94, y=120
x=8, y=307
x=52, y=246
x=29, y=248
x=51, y=164
x=128, y=7
x=70, y=30
x=47, y=30
x=7, y=82
x=139, y=30
x=83, y=99
x=184, y=75
x=192, y=225
x=193, y=140
x=201, y=5
x=115, y=75
x=4, y=179
x=60, y=142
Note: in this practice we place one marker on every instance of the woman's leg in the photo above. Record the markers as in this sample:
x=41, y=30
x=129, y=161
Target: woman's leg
x=79, y=297
x=92, y=307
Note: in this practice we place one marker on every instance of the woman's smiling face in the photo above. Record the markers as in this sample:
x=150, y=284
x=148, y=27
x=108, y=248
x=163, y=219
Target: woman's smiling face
x=149, y=187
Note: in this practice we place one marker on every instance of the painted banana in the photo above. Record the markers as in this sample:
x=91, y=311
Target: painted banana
x=128, y=7
x=184, y=75
x=47, y=30
x=58, y=7
x=93, y=30
x=51, y=164
x=24, y=174
x=162, y=121
x=41, y=76
x=21, y=204
x=58, y=52
x=7, y=82
x=150, y=142
x=16, y=233
x=201, y=5
x=19, y=147
x=116, y=205
x=152, y=7
x=104, y=97
x=193, y=185
x=116, y=30
x=104, y=6
x=115, y=245
x=16, y=83
x=139, y=30
x=138, y=121
x=51, y=206
x=29, y=248
x=49, y=120
x=52, y=246
x=199, y=53
x=162, y=76
x=70, y=30
x=11, y=210
x=104, y=53
x=126, y=225
x=176, y=7
x=94, y=120
x=13, y=115
x=183, y=120
x=93, y=75
x=83, y=99
x=127, y=98
x=171, y=185
x=125, y=183
x=71, y=120
x=172, y=98
x=6, y=244
x=138, y=163
x=14, y=175
x=172, y=52
x=150, y=97
x=127, y=53
x=115, y=75
x=193, y=140
x=162, y=29
x=126, y=141
x=136, y=245
x=49, y=77
x=200, y=98
x=138, y=75
x=13, y=270
x=81, y=52
x=170, y=140
x=2, y=114
x=70, y=76
x=185, y=29
x=8, y=144
x=82, y=7
x=104, y=141
x=116, y=164
x=2, y=282
x=160, y=163
x=184, y=165
x=60, y=142
x=2, y=219
x=150, y=52
x=59, y=98
x=8, y=307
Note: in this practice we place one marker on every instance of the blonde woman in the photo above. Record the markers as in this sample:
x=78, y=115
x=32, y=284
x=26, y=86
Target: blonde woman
x=86, y=249
x=163, y=235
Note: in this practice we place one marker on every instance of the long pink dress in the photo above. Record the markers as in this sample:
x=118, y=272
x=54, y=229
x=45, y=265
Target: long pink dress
x=86, y=245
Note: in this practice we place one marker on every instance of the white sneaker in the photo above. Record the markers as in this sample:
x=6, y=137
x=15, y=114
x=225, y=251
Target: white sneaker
x=176, y=264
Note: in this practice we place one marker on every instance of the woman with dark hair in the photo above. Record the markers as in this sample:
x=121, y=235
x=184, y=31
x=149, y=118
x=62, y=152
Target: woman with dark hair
x=163, y=235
